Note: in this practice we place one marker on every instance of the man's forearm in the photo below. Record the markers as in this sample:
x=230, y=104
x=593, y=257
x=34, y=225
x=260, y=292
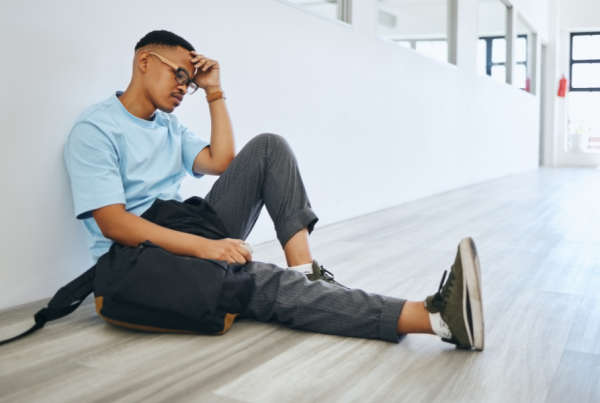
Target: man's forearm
x=222, y=144
x=131, y=230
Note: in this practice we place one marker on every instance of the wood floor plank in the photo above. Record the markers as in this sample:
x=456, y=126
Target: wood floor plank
x=585, y=334
x=522, y=353
x=576, y=379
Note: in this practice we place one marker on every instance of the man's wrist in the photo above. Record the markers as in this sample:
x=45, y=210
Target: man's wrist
x=199, y=246
x=212, y=90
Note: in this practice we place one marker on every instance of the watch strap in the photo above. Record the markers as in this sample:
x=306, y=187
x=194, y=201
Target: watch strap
x=215, y=95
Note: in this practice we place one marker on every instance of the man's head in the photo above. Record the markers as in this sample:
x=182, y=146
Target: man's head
x=155, y=77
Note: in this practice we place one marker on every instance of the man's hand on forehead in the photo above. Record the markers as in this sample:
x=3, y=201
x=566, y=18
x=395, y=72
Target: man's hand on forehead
x=207, y=71
x=202, y=62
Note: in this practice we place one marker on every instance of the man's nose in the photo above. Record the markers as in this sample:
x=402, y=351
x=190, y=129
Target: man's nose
x=182, y=88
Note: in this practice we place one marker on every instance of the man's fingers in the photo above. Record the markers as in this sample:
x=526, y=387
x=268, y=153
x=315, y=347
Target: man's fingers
x=237, y=257
x=205, y=64
x=196, y=55
x=245, y=252
x=209, y=65
x=237, y=244
x=200, y=63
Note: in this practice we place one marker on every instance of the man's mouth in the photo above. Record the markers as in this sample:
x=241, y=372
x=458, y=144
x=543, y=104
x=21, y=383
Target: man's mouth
x=178, y=97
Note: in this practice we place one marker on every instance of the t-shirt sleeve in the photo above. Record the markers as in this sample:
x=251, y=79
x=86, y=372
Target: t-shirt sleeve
x=191, y=145
x=93, y=165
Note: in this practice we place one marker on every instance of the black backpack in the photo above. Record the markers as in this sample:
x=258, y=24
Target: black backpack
x=148, y=288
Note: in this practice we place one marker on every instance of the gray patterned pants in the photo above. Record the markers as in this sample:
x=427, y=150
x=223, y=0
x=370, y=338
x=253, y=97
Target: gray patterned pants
x=265, y=172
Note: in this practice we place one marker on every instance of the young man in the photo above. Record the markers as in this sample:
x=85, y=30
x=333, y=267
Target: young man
x=128, y=150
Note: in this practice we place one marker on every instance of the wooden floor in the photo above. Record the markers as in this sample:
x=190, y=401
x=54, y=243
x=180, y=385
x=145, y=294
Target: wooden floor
x=538, y=235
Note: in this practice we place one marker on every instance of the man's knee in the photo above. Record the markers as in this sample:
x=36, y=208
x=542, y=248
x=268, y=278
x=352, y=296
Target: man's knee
x=270, y=141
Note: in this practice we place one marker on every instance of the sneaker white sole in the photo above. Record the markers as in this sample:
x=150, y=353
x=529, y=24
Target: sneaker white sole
x=472, y=283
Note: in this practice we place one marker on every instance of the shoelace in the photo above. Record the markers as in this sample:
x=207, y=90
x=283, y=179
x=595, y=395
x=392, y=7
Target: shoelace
x=441, y=302
x=438, y=299
x=442, y=282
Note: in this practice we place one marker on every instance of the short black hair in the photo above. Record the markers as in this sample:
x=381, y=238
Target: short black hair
x=164, y=38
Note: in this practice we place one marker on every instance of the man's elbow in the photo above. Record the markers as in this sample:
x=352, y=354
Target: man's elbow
x=107, y=231
x=223, y=165
x=208, y=164
x=108, y=219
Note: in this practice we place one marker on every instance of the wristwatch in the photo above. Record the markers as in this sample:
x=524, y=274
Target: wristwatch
x=215, y=95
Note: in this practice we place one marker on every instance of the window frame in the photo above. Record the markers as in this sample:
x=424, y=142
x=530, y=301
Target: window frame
x=451, y=33
x=572, y=62
x=488, y=53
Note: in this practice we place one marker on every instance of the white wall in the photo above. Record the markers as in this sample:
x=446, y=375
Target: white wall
x=536, y=13
x=579, y=15
x=373, y=124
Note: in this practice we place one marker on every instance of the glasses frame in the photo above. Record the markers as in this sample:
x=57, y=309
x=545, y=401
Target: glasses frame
x=177, y=69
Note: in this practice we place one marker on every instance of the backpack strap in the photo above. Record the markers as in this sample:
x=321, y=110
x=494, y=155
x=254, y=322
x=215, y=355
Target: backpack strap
x=64, y=302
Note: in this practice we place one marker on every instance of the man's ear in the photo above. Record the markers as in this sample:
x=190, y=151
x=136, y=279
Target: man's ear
x=142, y=60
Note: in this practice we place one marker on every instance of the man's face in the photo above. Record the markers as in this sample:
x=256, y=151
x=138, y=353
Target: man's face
x=163, y=89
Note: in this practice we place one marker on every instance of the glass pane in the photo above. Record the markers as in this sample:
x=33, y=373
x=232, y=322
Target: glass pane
x=586, y=47
x=586, y=75
x=499, y=50
x=492, y=15
x=520, y=79
x=524, y=48
x=328, y=8
x=425, y=21
x=499, y=73
x=481, y=56
x=436, y=49
x=521, y=50
x=583, y=113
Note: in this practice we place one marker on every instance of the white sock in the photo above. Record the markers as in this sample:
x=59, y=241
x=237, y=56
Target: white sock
x=302, y=267
x=439, y=326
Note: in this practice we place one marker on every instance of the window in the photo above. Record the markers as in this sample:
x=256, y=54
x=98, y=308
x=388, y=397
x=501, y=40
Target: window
x=524, y=56
x=338, y=9
x=425, y=26
x=584, y=95
x=492, y=59
x=585, y=61
x=491, y=46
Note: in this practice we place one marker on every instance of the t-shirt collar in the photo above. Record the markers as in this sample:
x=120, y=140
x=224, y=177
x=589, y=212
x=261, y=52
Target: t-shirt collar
x=142, y=122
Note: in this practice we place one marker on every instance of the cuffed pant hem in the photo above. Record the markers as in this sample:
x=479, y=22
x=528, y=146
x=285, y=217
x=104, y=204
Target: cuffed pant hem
x=388, y=321
x=305, y=218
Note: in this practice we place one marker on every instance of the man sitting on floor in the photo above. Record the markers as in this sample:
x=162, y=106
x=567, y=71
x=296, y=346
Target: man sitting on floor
x=129, y=150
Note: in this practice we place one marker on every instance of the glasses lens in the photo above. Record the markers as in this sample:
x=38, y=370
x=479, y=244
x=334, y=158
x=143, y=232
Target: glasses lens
x=182, y=77
x=192, y=88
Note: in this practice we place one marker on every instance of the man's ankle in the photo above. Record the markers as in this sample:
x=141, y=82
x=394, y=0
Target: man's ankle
x=414, y=318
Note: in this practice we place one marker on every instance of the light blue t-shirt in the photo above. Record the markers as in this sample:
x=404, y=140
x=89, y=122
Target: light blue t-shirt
x=114, y=157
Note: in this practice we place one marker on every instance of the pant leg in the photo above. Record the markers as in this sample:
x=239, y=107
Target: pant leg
x=265, y=172
x=289, y=298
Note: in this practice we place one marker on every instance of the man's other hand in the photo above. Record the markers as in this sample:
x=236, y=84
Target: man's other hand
x=227, y=249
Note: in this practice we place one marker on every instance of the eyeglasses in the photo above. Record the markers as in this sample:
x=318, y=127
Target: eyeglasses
x=181, y=75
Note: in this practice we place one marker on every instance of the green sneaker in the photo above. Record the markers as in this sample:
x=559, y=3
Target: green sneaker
x=458, y=301
x=320, y=273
